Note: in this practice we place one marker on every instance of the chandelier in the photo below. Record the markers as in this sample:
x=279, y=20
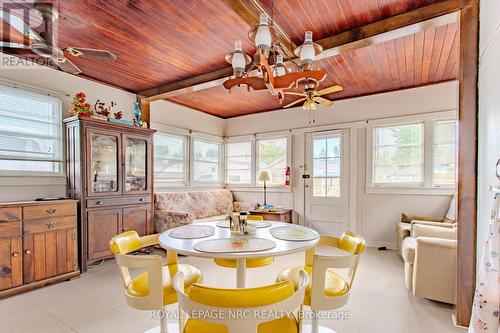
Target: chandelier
x=267, y=71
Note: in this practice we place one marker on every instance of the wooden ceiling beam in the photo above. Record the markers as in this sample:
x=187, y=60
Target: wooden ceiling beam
x=405, y=24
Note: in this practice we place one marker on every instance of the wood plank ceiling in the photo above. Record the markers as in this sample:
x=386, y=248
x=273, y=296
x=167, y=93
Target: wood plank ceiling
x=161, y=42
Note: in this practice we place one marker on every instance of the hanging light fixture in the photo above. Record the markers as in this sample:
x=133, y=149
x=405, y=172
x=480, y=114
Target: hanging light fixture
x=263, y=35
x=308, y=51
x=279, y=67
x=270, y=76
x=238, y=60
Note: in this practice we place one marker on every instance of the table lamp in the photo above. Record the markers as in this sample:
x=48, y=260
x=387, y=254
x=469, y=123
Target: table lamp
x=264, y=176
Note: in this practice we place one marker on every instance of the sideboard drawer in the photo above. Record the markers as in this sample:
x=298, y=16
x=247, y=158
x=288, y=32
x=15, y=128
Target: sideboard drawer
x=10, y=214
x=105, y=202
x=48, y=211
x=10, y=229
x=50, y=224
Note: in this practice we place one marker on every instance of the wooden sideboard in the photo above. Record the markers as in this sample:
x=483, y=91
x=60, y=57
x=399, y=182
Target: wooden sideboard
x=38, y=244
x=284, y=215
x=110, y=172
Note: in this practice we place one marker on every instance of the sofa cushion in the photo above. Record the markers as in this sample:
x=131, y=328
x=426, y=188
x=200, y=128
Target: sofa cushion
x=211, y=218
x=409, y=246
x=167, y=219
x=450, y=215
x=200, y=204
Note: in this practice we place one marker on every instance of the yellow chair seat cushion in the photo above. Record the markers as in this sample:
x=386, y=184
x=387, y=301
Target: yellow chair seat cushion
x=335, y=285
x=251, y=263
x=139, y=286
x=282, y=325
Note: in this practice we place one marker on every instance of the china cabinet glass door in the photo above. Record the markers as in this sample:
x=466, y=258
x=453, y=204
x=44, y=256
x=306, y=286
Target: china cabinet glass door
x=104, y=163
x=136, y=168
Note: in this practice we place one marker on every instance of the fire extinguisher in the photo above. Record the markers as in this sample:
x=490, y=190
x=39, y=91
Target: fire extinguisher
x=287, y=176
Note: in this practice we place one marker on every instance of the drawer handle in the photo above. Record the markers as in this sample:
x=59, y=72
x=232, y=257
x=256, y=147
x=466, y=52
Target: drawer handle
x=15, y=254
x=98, y=202
x=28, y=251
x=141, y=199
x=50, y=210
x=51, y=225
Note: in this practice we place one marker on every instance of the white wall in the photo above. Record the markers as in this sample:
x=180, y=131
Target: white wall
x=374, y=215
x=43, y=78
x=489, y=112
x=167, y=113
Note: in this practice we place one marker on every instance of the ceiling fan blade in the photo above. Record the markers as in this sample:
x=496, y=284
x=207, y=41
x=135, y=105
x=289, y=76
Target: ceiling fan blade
x=293, y=93
x=18, y=24
x=90, y=53
x=324, y=101
x=329, y=90
x=295, y=102
x=67, y=66
x=14, y=45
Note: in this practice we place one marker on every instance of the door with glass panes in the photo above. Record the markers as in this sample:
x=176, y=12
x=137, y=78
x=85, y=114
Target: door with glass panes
x=327, y=188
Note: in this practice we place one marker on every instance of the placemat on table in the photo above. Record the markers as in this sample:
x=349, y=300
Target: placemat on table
x=232, y=245
x=192, y=231
x=293, y=233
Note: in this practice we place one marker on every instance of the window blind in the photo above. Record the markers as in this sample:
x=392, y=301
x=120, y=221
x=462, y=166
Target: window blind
x=30, y=129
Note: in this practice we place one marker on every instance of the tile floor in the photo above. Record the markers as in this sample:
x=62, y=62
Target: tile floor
x=95, y=303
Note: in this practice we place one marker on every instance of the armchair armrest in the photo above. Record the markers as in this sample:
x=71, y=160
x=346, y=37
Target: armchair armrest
x=433, y=223
x=168, y=219
x=421, y=230
x=150, y=240
x=435, y=269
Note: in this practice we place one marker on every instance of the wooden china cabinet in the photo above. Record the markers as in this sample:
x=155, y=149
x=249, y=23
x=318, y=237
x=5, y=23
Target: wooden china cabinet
x=110, y=173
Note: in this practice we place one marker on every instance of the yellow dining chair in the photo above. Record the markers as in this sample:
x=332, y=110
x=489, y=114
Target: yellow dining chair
x=152, y=288
x=251, y=263
x=327, y=289
x=268, y=309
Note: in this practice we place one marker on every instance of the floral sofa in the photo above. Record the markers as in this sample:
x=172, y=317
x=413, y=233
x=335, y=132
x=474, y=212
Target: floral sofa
x=173, y=209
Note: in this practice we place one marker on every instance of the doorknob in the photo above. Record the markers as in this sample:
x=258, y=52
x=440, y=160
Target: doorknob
x=28, y=251
x=15, y=254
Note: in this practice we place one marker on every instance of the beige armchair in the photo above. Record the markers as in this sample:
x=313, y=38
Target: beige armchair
x=430, y=257
x=403, y=228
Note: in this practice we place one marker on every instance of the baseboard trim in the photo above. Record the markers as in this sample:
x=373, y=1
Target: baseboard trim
x=388, y=245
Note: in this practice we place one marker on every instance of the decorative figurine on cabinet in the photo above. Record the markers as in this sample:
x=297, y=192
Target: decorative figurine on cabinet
x=137, y=115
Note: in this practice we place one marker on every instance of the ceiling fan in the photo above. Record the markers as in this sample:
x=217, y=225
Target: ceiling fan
x=42, y=44
x=311, y=97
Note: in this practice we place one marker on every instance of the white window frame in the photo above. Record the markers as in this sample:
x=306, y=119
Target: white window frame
x=58, y=161
x=184, y=135
x=210, y=139
x=273, y=135
x=433, y=148
x=238, y=139
x=427, y=186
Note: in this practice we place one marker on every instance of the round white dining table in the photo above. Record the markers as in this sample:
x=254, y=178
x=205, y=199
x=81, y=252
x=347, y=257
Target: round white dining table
x=283, y=247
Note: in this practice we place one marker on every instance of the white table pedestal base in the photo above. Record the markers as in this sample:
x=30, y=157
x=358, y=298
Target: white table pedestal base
x=321, y=329
x=171, y=328
x=241, y=274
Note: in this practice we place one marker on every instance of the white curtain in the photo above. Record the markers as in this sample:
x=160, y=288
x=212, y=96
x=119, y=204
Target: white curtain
x=485, y=311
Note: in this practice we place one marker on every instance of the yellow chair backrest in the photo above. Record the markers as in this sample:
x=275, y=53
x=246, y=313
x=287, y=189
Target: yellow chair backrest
x=126, y=242
x=241, y=298
x=352, y=242
x=255, y=218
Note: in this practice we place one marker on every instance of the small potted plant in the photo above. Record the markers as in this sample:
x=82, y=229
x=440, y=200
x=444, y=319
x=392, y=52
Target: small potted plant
x=80, y=107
